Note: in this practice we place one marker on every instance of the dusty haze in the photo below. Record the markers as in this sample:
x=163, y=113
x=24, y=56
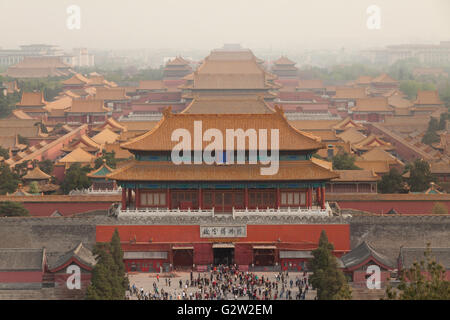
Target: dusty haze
x=206, y=24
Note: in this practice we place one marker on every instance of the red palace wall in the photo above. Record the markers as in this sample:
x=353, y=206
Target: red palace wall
x=59, y=172
x=359, y=277
x=146, y=265
x=244, y=254
x=203, y=253
x=39, y=209
x=402, y=207
x=291, y=264
x=21, y=277
x=403, y=150
x=297, y=235
x=61, y=280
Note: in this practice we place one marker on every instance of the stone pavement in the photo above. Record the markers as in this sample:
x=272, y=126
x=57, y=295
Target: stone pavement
x=146, y=280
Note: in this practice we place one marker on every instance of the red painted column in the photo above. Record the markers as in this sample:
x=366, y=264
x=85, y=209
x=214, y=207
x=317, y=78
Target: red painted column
x=137, y=197
x=322, y=197
x=246, y=197
x=318, y=196
x=278, y=197
x=309, y=197
x=129, y=197
x=124, y=198
x=168, y=198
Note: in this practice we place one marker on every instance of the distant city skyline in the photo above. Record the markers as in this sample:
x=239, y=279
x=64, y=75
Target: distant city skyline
x=199, y=25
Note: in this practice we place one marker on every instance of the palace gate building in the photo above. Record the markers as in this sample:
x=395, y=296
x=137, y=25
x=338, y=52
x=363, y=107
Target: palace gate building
x=194, y=214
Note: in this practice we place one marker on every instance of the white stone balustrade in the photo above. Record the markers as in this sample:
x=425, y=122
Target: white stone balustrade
x=295, y=211
x=91, y=191
x=163, y=212
x=236, y=213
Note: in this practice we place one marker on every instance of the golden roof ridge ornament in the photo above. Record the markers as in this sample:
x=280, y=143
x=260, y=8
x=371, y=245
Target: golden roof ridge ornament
x=167, y=112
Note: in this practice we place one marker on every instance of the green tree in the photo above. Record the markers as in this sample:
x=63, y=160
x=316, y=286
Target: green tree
x=4, y=153
x=391, y=182
x=41, y=126
x=46, y=166
x=8, y=103
x=442, y=120
x=410, y=87
x=433, y=124
x=344, y=161
x=108, y=280
x=23, y=140
x=110, y=158
x=21, y=169
x=12, y=209
x=430, y=137
x=34, y=188
x=444, y=93
x=76, y=178
x=117, y=254
x=9, y=180
x=419, y=175
x=103, y=280
x=424, y=280
x=327, y=278
x=439, y=208
x=51, y=87
x=403, y=69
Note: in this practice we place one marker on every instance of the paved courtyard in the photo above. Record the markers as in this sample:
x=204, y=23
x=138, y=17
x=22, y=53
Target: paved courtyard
x=147, y=281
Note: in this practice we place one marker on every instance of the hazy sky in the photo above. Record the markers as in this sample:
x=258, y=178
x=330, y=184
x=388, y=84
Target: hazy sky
x=207, y=24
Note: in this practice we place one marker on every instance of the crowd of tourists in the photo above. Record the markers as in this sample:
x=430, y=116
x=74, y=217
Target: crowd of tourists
x=225, y=283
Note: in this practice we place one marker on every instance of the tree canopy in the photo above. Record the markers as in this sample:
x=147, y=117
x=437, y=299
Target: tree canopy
x=9, y=180
x=76, y=178
x=344, y=161
x=424, y=280
x=108, y=280
x=444, y=93
x=419, y=175
x=8, y=103
x=34, y=188
x=327, y=278
x=46, y=166
x=430, y=135
x=4, y=153
x=392, y=182
x=410, y=87
x=12, y=209
x=51, y=87
x=110, y=158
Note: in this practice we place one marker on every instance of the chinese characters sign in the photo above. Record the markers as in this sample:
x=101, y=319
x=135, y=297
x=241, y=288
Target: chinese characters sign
x=223, y=231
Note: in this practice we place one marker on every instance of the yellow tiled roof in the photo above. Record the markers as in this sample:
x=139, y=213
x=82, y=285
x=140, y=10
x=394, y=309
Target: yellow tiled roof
x=167, y=171
x=32, y=99
x=105, y=136
x=78, y=155
x=356, y=175
x=228, y=105
x=428, y=97
x=351, y=135
x=36, y=174
x=159, y=138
